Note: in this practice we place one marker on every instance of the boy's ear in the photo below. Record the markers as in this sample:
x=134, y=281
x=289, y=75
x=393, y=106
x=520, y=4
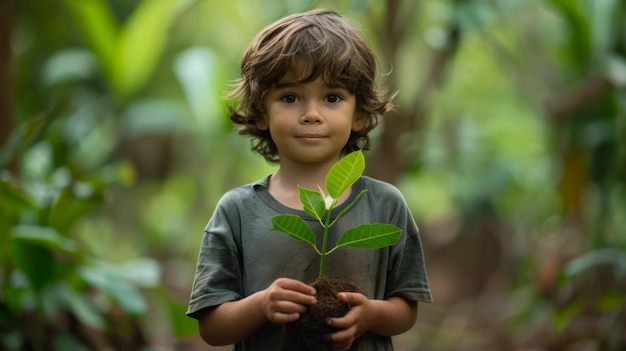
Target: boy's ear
x=359, y=123
x=262, y=123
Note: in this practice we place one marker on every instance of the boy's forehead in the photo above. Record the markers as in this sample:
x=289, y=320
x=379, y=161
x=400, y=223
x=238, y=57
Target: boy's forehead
x=303, y=72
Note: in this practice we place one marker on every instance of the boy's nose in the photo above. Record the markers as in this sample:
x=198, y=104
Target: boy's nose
x=311, y=114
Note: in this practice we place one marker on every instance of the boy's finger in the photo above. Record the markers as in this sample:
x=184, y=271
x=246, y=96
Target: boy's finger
x=351, y=298
x=296, y=285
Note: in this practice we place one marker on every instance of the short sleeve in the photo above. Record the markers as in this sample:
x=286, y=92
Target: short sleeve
x=406, y=269
x=217, y=278
x=407, y=276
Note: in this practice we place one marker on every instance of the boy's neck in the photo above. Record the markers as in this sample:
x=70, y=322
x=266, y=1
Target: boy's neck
x=284, y=183
x=308, y=175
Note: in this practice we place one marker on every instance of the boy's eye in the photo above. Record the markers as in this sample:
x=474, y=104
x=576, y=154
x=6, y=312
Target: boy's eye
x=333, y=98
x=290, y=99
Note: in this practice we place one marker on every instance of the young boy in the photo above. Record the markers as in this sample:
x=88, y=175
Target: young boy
x=308, y=96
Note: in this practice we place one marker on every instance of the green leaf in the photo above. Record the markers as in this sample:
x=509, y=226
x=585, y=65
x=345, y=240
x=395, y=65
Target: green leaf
x=129, y=297
x=564, y=316
x=36, y=262
x=612, y=257
x=69, y=65
x=144, y=272
x=345, y=173
x=294, y=226
x=111, y=280
x=370, y=236
x=611, y=302
x=141, y=43
x=579, y=30
x=197, y=70
x=604, y=24
x=24, y=135
x=67, y=341
x=615, y=68
x=98, y=27
x=473, y=16
x=313, y=202
x=84, y=311
x=67, y=210
x=45, y=237
x=14, y=197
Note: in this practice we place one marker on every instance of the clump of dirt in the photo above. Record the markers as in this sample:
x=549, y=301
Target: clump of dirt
x=310, y=331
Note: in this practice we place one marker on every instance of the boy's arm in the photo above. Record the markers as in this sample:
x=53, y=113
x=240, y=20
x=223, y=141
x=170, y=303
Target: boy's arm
x=389, y=317
x=282, y=302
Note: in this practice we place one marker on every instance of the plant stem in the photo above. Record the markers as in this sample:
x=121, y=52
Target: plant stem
x=324, y=243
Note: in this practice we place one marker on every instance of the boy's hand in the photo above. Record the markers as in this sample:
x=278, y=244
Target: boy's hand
x=286, y=298
x=353, y=324
x=388, y=317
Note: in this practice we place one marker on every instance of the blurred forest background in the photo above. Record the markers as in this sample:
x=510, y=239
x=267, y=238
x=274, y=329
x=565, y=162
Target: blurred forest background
x=509, y=143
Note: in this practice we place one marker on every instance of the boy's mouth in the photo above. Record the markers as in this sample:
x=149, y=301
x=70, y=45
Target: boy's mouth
x=311, y=137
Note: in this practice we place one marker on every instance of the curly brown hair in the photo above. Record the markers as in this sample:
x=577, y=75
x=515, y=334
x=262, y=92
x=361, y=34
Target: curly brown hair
x=329, y=47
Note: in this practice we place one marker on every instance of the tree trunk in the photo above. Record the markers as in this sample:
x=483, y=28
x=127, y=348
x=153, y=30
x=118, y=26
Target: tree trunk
x=7, y=8
x=389, y=160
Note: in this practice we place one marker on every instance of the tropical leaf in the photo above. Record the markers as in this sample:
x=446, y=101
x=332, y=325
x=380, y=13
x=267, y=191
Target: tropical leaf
x=313, y=202
x=345, y=173
x=14, y=196
x=610, y=302
x=140, y=44
x=78, y=303
x=111, y=280
x=98, y=28
x=197, y=70
x=36, y=262
x=128, y=52
x=580, y=36
x=370, y=236
x=563, y=316
x=294, y=226
x=611, y=257
x=45, y=237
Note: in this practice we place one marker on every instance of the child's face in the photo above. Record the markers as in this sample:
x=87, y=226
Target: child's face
x=309, y=122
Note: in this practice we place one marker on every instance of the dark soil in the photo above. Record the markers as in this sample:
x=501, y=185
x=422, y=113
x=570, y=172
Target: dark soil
x=310, y=331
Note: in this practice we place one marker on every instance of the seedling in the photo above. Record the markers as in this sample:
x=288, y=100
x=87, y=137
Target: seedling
x=319, y=205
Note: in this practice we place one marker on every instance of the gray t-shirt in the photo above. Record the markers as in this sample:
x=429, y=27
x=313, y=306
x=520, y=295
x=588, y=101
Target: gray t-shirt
x=241, y=255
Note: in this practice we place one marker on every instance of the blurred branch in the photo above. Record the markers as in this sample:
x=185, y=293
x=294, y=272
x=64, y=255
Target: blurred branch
x=559, y=107
x=436, y=75
x=565, y=105
x=389, y=161
x=395, y=26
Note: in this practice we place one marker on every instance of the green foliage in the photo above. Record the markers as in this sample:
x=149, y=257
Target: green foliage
x=296, y=227
x=614, y=258
x=47, y=273
x=121, y=146
x=128, y=53
x=345, y=173
x=58, y=167
x=339, y=179
x=313, y=202
x=370, y=236
x=563, y=316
